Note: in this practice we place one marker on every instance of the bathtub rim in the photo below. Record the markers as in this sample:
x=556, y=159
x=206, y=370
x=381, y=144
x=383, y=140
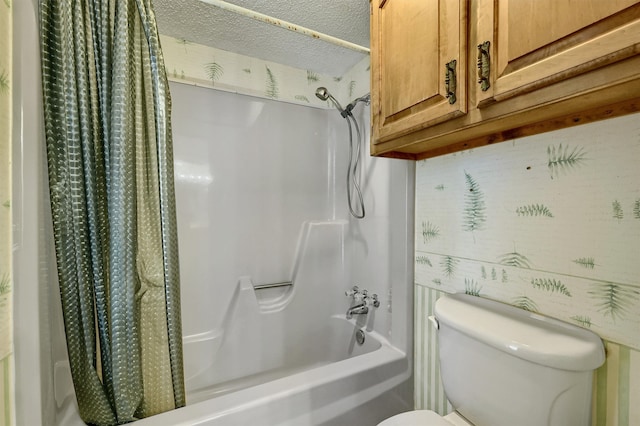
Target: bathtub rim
x=202, y=412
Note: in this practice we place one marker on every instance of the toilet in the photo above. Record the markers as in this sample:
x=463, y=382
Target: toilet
x=503, y=366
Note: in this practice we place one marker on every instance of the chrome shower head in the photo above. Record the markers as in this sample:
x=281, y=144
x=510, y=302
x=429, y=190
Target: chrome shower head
x=323, y=94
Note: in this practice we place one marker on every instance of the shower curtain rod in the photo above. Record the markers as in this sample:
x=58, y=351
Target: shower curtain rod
x=285, y=25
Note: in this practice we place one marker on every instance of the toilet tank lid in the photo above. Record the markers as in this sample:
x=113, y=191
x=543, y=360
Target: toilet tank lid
x=527, y=335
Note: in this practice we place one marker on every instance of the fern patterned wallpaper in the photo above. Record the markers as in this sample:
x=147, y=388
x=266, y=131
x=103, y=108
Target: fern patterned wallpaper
x=549, y=223
x=6, y=326
x=204, y=66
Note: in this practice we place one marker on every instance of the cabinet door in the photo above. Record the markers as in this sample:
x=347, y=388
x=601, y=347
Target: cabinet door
x=412, y=44
x=537, y=43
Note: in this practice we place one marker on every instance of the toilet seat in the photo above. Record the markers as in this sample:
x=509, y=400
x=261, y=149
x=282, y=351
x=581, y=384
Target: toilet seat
x=424, y=418
x=416, y=418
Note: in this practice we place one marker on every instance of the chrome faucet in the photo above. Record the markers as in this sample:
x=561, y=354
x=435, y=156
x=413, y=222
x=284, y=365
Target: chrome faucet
x=362, y=300
x=357, y=310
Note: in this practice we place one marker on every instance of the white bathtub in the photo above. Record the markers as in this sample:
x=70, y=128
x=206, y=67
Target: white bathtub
x=239, y=364
x=284, y=357
x=343, y=383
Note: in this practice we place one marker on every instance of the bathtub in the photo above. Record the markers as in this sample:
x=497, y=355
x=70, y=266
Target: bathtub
x=282, y=356
x=285, y=356
x=342, y=383
x=240, y=364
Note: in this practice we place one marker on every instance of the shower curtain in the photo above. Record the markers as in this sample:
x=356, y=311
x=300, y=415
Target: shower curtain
x=110, y=160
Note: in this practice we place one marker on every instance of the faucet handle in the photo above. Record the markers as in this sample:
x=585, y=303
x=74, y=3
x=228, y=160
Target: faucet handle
x=353, y=292
x=361, y=297
x=372, y=300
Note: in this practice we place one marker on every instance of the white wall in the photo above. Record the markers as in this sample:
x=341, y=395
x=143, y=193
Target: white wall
x=250, y=172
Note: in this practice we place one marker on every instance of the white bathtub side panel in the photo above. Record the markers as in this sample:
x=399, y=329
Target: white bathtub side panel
x=33, y=359
x=380, y=246
x=256, y=337
x=249, y=172
x=401, y=249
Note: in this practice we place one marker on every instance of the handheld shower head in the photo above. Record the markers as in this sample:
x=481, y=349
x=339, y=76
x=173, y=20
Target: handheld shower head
x=352, y=177
x=323, y=94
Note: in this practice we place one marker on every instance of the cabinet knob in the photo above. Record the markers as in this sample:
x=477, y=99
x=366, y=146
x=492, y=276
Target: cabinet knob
x=450, y=81
x=484, y=65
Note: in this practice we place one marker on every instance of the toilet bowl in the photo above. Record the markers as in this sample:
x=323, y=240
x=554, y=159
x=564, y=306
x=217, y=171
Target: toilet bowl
x=425, y=418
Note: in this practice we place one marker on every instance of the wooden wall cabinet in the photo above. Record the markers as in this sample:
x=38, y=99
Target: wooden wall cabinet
x=421, y=64
x=545, y=64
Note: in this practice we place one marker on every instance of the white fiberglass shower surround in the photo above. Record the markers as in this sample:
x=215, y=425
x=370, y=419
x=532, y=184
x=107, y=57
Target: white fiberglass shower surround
x=261, y=199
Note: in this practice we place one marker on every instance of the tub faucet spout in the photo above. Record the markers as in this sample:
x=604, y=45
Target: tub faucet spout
x=359, y=309
x=363, y=300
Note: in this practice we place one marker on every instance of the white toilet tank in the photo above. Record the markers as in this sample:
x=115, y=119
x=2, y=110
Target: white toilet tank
x=503, y=366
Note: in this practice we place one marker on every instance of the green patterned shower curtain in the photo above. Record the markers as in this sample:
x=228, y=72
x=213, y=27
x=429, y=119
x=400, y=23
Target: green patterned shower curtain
x=110, y=159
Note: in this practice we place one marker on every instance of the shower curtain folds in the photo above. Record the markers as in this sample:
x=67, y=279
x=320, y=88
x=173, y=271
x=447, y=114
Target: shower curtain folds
x=110, y=160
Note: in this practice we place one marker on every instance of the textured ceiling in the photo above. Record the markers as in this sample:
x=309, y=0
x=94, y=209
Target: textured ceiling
x=202, y=23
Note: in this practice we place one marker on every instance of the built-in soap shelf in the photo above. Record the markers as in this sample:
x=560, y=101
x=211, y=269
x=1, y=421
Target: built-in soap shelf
x=272, y=296
x=269, y=297
x=265, y=307
x=248, y=302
